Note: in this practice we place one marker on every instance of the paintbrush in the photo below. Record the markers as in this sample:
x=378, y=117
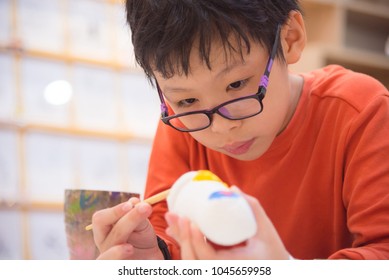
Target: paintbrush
x=151, y=200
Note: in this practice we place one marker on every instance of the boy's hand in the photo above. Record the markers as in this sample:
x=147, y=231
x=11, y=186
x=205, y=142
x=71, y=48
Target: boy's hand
x=124, y=232
x=266, y=244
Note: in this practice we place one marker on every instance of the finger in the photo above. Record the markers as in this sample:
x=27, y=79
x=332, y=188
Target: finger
x=118, y=252
x=142, y=233
x=103, y=220
x=260, y=216
x=172, y=221
x=185, y=240
x=135, y=221
x=202, y=249
x=259, y=213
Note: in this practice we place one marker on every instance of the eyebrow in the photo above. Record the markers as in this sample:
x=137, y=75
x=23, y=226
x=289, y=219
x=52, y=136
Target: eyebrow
x=229, y=67
x=175, y=89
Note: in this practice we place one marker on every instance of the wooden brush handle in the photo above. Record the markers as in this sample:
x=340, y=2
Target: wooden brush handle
x=151, y=200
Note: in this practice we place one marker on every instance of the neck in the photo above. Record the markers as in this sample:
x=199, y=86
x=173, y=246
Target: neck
x=296, y=87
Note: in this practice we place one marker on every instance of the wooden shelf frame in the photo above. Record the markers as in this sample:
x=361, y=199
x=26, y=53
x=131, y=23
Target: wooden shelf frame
x=22, y=127
x=338, y=33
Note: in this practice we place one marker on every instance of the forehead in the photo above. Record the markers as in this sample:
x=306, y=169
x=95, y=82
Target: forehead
x=219, y=54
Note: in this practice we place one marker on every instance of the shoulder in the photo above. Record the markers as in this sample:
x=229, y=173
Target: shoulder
x=335, y=82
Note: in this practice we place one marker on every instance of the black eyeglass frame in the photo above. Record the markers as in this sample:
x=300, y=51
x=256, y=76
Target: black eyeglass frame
x=262, y=88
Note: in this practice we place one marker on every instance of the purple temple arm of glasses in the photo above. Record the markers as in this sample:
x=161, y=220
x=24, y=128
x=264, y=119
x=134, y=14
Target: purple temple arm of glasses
x=264, y=81
x=164, y=108
x=265, y=78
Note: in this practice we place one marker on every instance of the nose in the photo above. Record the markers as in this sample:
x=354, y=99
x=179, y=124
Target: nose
x=222, y=125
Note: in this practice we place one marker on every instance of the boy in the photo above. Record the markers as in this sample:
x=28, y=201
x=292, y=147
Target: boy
x=310, y=151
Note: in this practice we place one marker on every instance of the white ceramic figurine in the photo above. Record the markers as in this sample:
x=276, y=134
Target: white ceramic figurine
x=222, y=215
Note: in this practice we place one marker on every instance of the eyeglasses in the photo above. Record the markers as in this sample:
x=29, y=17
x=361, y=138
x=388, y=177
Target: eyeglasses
x=235, y=109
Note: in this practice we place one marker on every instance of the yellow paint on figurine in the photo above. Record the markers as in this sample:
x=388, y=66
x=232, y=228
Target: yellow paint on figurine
x=206, y=175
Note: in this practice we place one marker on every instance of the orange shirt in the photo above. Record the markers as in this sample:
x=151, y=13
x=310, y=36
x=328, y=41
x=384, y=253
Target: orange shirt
x=324, y=181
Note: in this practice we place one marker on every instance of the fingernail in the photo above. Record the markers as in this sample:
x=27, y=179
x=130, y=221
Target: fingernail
x=143, y=208
x=127, y=206
x=133, y=200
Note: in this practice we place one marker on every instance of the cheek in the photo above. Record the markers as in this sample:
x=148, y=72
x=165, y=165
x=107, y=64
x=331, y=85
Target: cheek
x=274, y=110
x=275, y=107
x=203, y=137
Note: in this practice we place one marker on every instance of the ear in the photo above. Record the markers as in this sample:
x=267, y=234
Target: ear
x=293, y=37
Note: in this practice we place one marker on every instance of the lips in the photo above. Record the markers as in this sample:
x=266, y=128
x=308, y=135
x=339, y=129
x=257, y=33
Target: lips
x=238, y=148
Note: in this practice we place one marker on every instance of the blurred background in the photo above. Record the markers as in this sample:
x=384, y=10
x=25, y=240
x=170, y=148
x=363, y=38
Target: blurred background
x=77, y=113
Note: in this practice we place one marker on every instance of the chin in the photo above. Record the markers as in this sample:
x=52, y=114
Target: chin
x=246, y=156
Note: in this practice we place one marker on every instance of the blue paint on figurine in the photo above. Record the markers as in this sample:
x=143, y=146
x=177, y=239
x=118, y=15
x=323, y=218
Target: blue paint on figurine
x=223, y=194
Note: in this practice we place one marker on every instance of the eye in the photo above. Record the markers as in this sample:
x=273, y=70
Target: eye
x=186, y=102
x=237, y=84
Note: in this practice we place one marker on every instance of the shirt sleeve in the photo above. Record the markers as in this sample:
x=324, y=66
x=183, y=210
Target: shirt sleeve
x=366, y=182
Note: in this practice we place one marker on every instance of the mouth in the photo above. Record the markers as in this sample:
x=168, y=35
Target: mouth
x=238, y=148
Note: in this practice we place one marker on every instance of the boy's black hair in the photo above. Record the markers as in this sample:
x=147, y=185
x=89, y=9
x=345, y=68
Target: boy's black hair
x=165, y=31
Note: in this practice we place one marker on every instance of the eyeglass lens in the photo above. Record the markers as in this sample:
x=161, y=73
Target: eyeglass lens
x=239, y=109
